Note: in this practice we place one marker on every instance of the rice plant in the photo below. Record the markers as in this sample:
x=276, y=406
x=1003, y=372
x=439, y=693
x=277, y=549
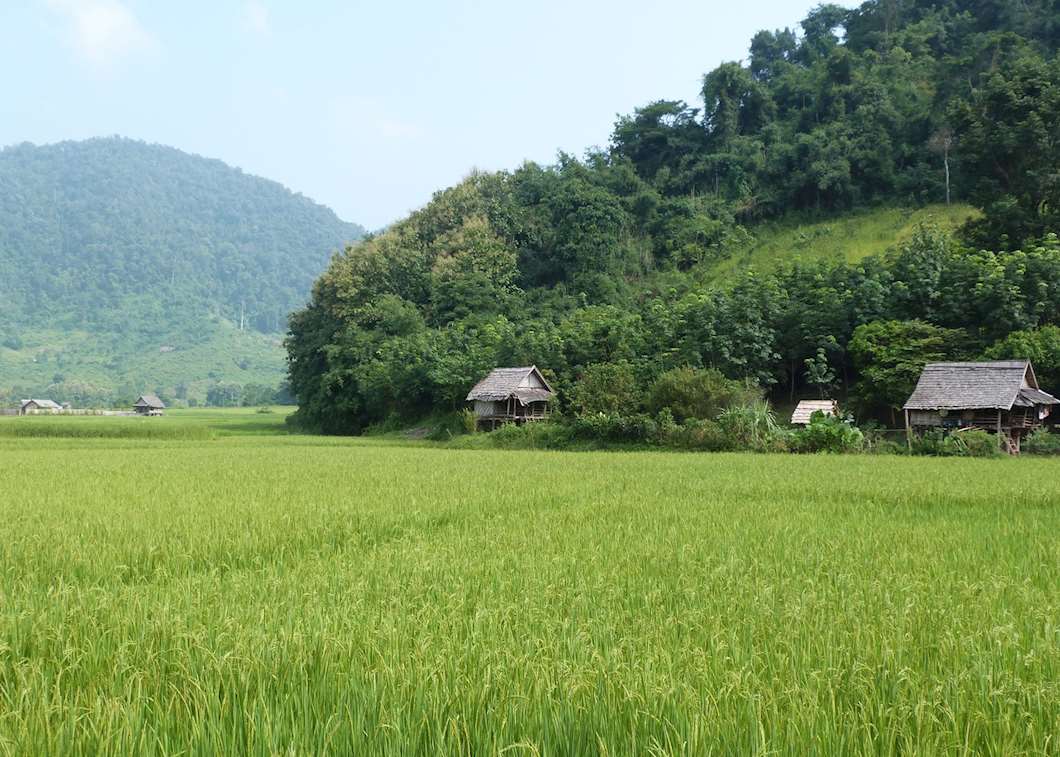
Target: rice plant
x=301, y=595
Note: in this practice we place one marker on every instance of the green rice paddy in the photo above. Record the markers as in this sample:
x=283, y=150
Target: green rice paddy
x=258, y=593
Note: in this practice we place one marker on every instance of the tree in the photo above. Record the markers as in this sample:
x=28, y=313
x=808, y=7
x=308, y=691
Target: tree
x=590, y=227
x=474, y=271
x=941, y=143
x=255, y=395
x=657, y=135
x=1040, y=346
x=770, y=51
x=224, y=395
x=736, y=104
x=693, y=393
x=890, y=355
x=819, y=373
x=609, y=388
x=1009, y=131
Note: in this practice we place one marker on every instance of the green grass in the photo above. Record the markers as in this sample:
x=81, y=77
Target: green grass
x=97, y=365
x=847, y=238
x=183, y=425
x=264, y=594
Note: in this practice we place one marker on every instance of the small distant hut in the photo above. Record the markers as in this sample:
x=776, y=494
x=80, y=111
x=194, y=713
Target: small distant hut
x=149, y=404
x=806, y=408
x=511, y=395
x=1001, y=397
x=31, y=407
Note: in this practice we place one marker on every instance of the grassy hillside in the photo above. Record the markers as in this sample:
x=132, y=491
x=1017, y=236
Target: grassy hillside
x=89, y=368
x=128, y=263
x=240, y=600
x=846, y=238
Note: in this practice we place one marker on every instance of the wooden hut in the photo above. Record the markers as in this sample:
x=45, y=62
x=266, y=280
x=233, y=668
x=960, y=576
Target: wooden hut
x=806, y=408
x=31, y=407
x=511, y=395
x=1001, y=397
x=149, y=404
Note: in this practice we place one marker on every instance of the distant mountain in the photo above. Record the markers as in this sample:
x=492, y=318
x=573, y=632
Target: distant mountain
x=124, y=263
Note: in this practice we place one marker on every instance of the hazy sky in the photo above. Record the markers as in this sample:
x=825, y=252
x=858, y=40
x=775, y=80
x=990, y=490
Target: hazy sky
x=367, y=107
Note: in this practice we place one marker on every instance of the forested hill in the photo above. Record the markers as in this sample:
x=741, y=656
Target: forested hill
x=633, y=261
x=132, y=248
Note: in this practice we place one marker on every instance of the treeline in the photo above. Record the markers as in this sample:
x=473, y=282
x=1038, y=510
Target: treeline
x=600, y=265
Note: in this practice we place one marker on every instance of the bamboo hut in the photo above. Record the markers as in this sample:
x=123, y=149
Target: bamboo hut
x=806, y=408
x=33, y=407
x=1001, y=397
x=511, y=395
x=149, y=404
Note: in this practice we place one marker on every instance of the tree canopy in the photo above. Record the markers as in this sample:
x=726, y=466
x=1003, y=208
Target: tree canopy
x=596, y=268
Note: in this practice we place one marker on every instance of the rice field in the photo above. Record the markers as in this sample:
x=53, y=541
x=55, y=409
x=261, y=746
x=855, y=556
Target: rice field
x=267, y=594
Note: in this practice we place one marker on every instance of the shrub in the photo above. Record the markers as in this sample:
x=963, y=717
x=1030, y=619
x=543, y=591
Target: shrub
x=531, y=436
x=973, y=443
x=606, y=388
x=826, y=433
x=885, y=447
x=446, y=427
x=931, y=442
x=699, y=435
x=752, y=427
x=615, y=427
x=469, y=421
x=1042, y=442
x=700, y=394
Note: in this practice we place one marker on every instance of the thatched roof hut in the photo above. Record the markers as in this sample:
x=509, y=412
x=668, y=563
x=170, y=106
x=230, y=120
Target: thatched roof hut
x=39, y=406
x=1000, y=396
x=806, y=408
x=511, y=395
x=149, y=404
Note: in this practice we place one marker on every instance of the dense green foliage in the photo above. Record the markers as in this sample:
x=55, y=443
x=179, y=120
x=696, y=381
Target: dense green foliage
x=1042, y=442
x=639, y=259
x=436, y=603
x=113, y=250
x=827, y=433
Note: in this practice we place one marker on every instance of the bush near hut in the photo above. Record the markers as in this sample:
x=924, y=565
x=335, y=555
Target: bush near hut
x=1042, y=442
x=616, y=427
x=752, y=428
x=826, y=433
x=606, y=389
x=699, y=394
x=974, y=443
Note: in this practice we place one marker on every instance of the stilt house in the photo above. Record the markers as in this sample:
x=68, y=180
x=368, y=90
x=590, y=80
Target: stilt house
x=30, y=407
x=511, y=395
x=1000, y=397
x=149, y=404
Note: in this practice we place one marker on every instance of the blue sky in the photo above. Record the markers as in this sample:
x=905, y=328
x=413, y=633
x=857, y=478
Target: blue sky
x=367, y=107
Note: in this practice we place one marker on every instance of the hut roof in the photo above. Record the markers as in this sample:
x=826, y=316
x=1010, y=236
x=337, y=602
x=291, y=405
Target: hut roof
x=1030, y=397
x=151, y=401
x=978, y=386
x=43, y=404
x=806, y=408
x=502, y=383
